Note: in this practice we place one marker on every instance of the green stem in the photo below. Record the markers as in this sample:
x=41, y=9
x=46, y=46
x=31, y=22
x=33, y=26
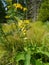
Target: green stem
x=27, y=58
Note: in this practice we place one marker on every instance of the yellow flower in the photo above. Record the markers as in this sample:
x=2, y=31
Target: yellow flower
x=24, y=9
x=7, y=16
x=24, y=31
x=23, y=28
x=20, y=23
x=18, y=5
x=26, y=21
x=14, y=4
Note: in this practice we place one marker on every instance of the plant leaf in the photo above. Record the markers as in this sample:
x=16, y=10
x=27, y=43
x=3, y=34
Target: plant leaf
x=19, y=56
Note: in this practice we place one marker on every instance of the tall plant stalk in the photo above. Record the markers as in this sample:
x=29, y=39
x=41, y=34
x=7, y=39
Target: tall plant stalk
x=27, y=57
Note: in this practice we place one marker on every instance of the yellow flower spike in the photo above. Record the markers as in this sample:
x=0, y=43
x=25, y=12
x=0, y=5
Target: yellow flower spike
x=24, y=9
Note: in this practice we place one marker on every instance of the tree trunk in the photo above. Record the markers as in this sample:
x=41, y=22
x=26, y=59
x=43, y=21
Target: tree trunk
x=33, y=6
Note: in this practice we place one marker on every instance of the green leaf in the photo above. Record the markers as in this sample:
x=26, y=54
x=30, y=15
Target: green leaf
x=44, y=52
x=39, y=62
x=33, y=61
x=46, y=64
x=20, y=56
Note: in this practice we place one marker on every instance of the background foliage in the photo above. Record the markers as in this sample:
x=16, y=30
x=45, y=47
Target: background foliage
x=23, y=41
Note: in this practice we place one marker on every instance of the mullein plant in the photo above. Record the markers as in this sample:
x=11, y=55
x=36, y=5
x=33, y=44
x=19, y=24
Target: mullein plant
x=15, y=30
x=16, y=14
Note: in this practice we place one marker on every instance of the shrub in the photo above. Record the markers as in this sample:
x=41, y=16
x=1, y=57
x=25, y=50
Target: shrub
x=44, y=11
